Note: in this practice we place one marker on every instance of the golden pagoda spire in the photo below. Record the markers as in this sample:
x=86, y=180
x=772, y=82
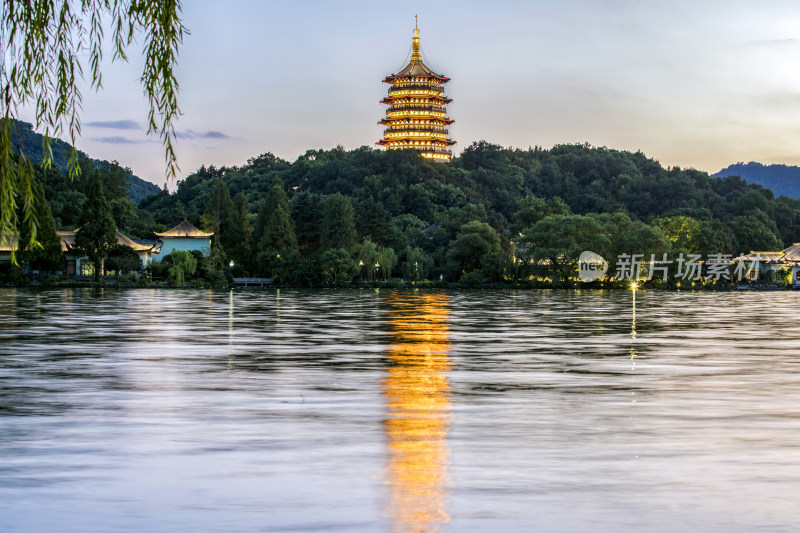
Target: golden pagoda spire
x=415, y=52
x=416, y=118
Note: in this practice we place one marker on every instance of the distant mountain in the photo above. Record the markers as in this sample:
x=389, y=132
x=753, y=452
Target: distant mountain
x=31, y=143
x=784, y=180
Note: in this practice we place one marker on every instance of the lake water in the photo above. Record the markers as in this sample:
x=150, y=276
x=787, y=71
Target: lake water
x=158, y=410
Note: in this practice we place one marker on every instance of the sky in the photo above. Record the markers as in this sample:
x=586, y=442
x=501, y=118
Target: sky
x=699, y=83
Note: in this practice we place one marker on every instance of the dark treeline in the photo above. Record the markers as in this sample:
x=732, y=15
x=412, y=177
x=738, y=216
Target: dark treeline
x=782, y=179
x=493, y=214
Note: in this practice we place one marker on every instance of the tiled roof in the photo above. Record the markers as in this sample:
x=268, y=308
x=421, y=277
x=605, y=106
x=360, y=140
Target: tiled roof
x=126, y=241
x=417, y=69
x=68, y=241
x=792, y=253
x=185, y=229
x=764, y=256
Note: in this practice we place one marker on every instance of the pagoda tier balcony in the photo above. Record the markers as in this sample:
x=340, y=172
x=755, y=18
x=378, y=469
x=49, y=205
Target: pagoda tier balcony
x=403, y=120
x=432, y=77
x=416, y=128
x=448, y=153
x=405, y=100
x=407, y=107
x=415, y=86
x=427, y=150
x=396, y=117
x=416, y=142
x=421, y=137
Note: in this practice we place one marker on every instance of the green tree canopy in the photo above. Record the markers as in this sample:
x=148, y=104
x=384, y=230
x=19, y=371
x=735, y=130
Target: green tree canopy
x=531, y=210
x=553, y=245
x=97, y=233
x=417, y=265
x=338, y=223
x=276, y=197
x=122, y=259
x=474, y=241
x=337, y=268
x=279, y=232
x=305, y=213
x=219, y=215
x=239, y=240
x=47, y=253
x=367, y=258
x=183, y=264
x=751, y=234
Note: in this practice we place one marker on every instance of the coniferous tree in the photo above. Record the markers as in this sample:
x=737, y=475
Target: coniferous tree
x=97, y=233
x=276, y=197
x=279, y=233
x=305, y=213
x=240, y=231
x=338, y=223
x=47, y=255
x=219, y=215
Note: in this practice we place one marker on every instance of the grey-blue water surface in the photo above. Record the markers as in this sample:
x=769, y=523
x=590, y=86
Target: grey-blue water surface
x=358, y=410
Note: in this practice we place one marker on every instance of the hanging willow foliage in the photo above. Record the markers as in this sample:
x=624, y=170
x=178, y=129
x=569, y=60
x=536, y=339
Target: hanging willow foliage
x=42, y=46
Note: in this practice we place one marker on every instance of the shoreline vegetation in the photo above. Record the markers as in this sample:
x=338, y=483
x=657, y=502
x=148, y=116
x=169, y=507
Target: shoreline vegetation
x=53, y=282
x=492, y=217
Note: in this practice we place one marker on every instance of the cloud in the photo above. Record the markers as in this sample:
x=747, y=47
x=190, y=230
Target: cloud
x=190, y=134
x=215, y=135
x=116, y=124
x=116, y=140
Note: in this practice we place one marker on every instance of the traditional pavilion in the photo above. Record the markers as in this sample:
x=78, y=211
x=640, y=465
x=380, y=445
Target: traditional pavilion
x=416, y=118
x=788, y=258
x=185, y=236
x=77, y=264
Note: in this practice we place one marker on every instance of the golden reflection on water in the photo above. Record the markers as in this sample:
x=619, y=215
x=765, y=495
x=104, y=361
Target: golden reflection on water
x=418, y=404
x=633, y=352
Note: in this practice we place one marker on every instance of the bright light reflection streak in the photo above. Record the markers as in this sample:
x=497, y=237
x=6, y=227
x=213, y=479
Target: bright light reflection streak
x=418, y=403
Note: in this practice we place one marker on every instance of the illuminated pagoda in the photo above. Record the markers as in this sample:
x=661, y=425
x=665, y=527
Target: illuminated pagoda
x=416, y=116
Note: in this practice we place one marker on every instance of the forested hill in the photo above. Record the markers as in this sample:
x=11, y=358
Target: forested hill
x=391, y=189
x=782, y=179
x=31, y=143
x=491, y=214
x=588, y=179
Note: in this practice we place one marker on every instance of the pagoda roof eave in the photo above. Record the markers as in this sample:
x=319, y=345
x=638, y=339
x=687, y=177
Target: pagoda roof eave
x=448, y=142
x=185, y=230
x=391, y=78
x=416, y=69
x=388, y=121
x=389, y=99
